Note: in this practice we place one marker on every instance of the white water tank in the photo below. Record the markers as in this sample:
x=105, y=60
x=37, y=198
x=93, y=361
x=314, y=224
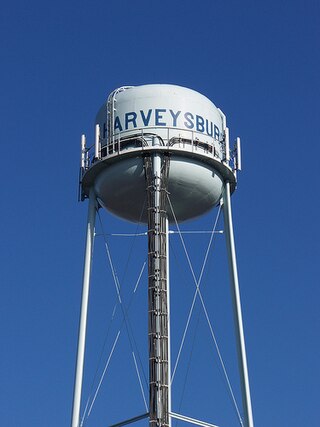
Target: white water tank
x=178, y=122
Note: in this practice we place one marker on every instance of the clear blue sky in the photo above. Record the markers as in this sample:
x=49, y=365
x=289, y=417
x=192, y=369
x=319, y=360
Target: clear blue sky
x=259, y=62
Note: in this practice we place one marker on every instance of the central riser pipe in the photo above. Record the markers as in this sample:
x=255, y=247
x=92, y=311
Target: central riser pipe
x=156, y=175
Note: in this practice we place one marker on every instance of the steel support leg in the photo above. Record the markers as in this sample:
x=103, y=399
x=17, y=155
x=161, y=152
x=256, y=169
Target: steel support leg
x=242, y=359
x=84, y=310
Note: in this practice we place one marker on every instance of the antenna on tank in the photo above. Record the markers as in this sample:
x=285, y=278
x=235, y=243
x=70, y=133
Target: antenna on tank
x=163, y=141
x=238, y=154
x=227, y=145
x=97, y=144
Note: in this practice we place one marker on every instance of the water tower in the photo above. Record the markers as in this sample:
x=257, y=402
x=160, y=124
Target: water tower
x=161, y=155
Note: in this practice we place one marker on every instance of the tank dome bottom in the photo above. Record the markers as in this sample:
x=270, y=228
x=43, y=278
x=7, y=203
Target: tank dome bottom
x=194, y=187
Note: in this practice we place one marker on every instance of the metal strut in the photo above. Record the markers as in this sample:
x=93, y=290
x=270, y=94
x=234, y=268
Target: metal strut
x=235, y=292
x=156, y=169
x=84, y=309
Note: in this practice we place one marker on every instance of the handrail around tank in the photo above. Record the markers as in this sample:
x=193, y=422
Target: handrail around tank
x=145, y=137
